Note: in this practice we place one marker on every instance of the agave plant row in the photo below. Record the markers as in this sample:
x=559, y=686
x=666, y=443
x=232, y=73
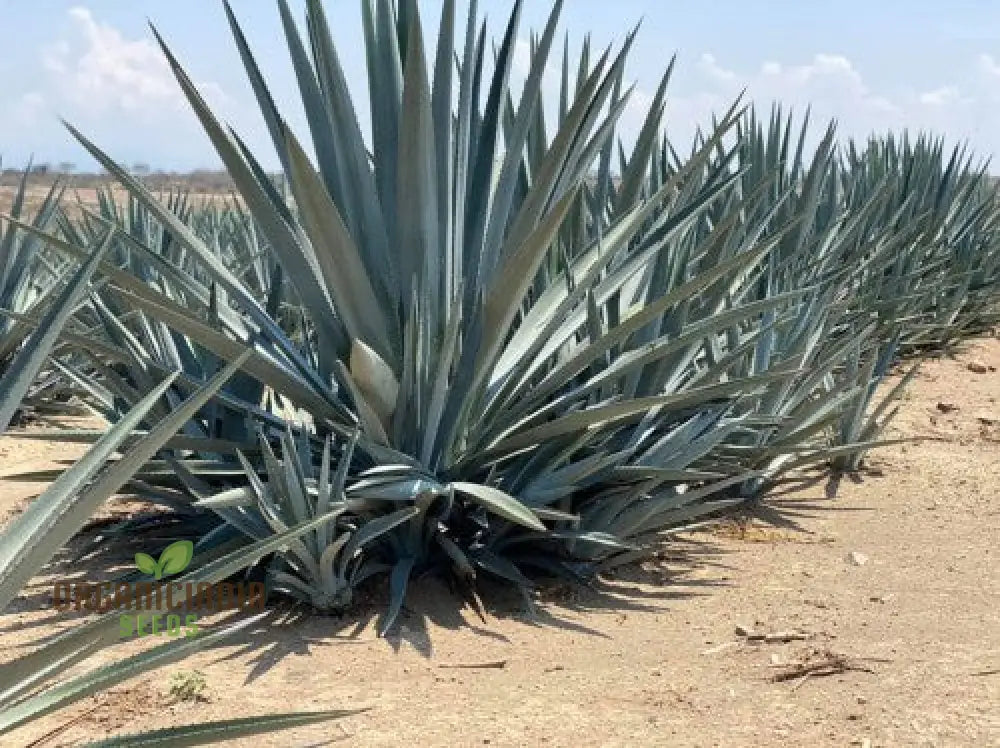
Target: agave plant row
x=483, y=340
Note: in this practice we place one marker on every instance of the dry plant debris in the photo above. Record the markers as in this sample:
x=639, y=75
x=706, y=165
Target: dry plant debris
x=820, y=663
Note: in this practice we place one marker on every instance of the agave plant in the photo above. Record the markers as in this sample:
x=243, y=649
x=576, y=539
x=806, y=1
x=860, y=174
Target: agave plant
x=473, y=342
x=473, y=350
x=944, y=285
x=480, y=358
x=872, y=260
x=31, y=278
x=504, y=351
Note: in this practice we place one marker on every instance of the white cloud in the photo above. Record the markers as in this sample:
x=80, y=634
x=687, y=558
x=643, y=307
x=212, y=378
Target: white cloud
x=833, y=87
x=827, y=81
x=101, y=71
x=989, y=65
x=944, y=96
x=118, y=90
x=712, y=69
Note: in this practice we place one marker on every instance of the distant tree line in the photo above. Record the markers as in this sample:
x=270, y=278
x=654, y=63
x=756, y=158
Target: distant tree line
x=199, y=180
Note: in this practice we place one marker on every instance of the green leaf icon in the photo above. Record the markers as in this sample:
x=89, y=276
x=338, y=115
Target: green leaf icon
x=175, y=558
x=146, y=563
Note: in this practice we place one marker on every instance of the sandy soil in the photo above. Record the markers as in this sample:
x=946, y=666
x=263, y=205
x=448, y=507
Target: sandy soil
x=87, y=195
x=655, y=655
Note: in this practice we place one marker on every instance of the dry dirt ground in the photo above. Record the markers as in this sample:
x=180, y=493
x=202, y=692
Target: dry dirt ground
x=87, y=195
x=886, y=587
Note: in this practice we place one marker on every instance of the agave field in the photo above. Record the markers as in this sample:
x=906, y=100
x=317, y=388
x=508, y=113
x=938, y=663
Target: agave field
x=487, y=340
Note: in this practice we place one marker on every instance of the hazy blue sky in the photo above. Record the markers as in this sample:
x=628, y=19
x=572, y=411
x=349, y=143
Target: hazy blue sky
x=875, y=65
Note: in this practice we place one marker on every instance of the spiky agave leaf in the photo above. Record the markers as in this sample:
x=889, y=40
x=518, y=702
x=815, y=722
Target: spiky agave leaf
x=209, y=733
x=53, y=518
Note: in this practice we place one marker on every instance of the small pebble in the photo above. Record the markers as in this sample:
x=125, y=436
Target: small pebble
x=857, y=558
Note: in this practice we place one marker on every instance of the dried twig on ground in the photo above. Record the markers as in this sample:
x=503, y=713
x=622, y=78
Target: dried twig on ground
x=778, y=636
x=821, y=663
x=497, y=665
x=41, y=740
x=720, y=648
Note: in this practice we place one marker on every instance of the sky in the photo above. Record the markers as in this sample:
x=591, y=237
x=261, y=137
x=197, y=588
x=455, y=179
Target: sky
x=873, y=66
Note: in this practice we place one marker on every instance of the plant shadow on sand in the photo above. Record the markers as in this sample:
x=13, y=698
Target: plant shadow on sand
x=684, y=566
